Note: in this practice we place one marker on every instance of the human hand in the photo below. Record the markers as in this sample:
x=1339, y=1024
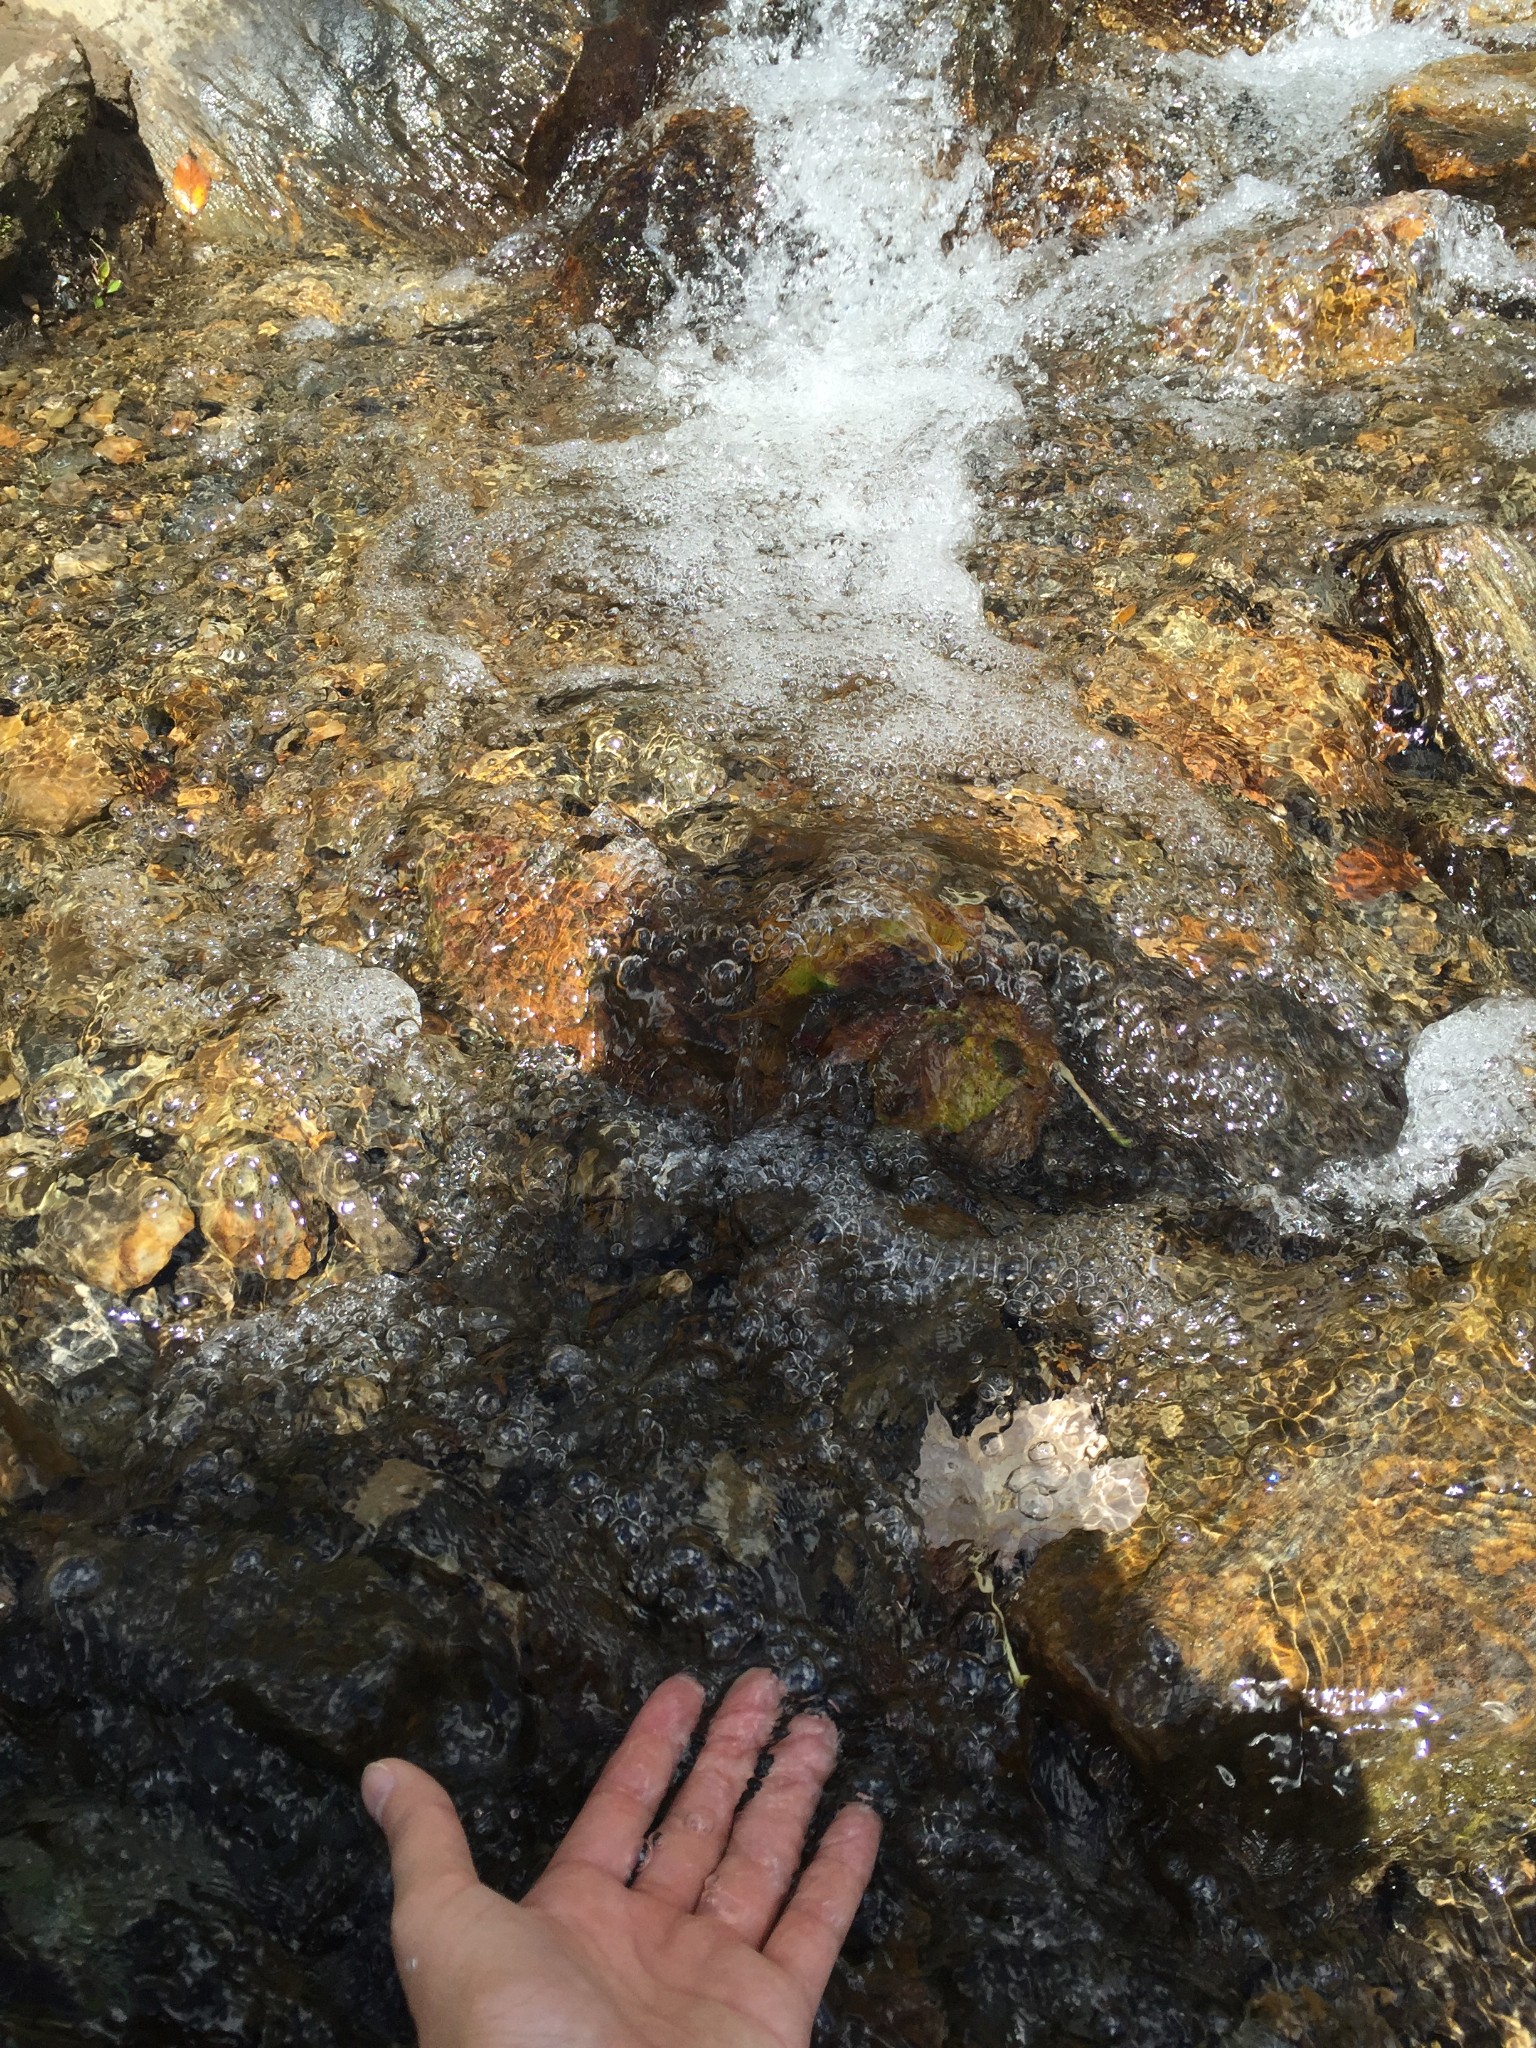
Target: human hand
x=697, y=1950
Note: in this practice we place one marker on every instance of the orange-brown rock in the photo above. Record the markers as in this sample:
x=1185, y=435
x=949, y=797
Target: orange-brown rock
x=1259, y=711
x=1334, y=1592
x=1362, y=873
x=246, y=1208
x=1336, y=298
x=1070, y=174
x=53, y=775
x=1468, y=125
x=1207, y=25
x=523, y=919
x=118, y=1232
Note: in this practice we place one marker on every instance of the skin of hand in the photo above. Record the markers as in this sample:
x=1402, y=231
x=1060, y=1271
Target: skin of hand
x=681, y=1938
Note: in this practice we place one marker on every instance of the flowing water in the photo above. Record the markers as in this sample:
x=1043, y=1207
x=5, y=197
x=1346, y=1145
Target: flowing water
x=602, y=917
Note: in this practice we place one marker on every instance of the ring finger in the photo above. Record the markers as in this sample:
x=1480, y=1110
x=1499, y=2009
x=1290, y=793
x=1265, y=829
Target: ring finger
x=692, y=1837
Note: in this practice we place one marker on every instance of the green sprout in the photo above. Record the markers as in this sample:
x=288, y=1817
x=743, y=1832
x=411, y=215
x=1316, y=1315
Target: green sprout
x=103, y=276
x=988, y=1591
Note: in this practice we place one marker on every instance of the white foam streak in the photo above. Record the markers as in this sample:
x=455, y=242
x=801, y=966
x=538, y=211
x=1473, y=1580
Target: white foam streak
x=1471, y=1085
x=808, y=512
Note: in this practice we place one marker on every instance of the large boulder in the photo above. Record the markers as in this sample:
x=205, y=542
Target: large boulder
x=1468, y=125
x=416, y=116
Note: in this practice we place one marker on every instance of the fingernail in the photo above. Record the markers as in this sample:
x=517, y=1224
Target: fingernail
x=378, y=1783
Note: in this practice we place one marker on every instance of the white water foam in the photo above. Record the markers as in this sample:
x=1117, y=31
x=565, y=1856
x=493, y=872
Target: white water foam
x=808, y=512
x=802, y=523
x=1471, y=1083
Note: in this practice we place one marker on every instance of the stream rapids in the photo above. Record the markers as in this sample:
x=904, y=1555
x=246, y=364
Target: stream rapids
x=813, y=793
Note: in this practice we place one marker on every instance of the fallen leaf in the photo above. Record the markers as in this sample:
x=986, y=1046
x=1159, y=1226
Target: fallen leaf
x=1008, y=1491
x=191, y=182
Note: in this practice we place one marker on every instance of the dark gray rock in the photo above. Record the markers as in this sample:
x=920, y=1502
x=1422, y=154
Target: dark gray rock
x=415, y=116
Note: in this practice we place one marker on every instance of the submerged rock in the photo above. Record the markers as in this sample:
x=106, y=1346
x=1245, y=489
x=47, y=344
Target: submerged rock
x=1332, y=1599
x=247, y=1208
x=523, y=918
x=978, y=1078
x=1080, y=167
x=1463, y=601
x=1266, y=713
x=53, y=775
x=1468, y=125
x=119, y=1232
x=1334, y=298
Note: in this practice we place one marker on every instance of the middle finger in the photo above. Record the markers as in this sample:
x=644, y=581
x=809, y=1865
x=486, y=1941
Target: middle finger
x=692, y=1838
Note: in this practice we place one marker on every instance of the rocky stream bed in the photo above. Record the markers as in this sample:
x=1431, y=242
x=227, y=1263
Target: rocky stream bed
x=738, y=752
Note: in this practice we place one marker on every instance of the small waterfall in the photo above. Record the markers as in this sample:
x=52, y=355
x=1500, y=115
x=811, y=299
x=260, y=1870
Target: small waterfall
x=806, y=515
x=798, y=511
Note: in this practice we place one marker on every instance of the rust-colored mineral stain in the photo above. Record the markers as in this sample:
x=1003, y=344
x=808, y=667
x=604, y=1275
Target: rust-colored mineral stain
x=1362, y=873
x=191, y=182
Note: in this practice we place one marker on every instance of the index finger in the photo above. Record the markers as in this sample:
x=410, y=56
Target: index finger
x=611, y=1828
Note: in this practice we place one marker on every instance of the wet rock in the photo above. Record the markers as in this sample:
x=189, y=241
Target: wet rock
x=683, y=212
x=397, y=302
x=1332, y=1595
x=524, y=918
x=1336, y=298
x=416, y=116
x=1206, y=25
x=1080, y=167
x=118, y=1232
x=739, y=1509
x=1003, y=52
x=26, y=1164
x=1264, y=712
x=95, y=558
x=1468, y=125
x=978, y=1078
x=248, y=1209
x=362, y=1218
x=860, y=931
x=1463, y=602
x=53, y=775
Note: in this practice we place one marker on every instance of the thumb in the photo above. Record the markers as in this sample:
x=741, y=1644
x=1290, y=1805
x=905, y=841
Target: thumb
x=427, y=1849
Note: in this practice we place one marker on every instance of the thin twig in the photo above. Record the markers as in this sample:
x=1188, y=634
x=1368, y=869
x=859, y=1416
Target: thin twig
x=1061, y=1068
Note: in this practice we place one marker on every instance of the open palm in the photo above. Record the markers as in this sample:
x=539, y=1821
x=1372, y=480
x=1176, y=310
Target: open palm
x=687, y=1942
